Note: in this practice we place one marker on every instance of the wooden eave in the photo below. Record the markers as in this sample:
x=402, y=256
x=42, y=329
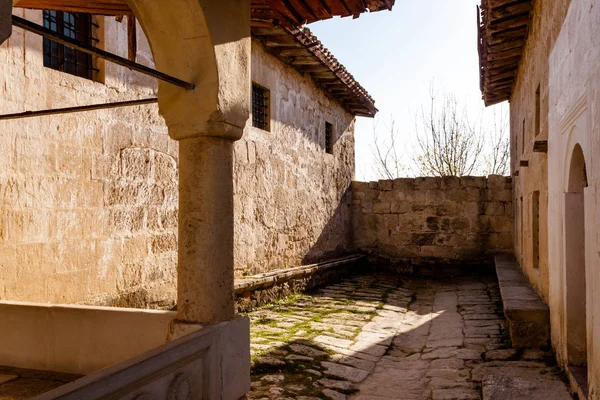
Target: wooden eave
x=285, y=12
x=300, y=12
x=300, y=49
x=503, y=26
x=276, y=23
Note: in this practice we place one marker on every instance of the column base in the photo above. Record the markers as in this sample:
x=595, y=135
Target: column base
x=178, y=329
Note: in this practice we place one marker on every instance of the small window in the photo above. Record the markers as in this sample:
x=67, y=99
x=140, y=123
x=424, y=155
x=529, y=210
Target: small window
x=260, y=107
x=538, y=111
x=521, y=226
x=329, y=138
x=63, y=58
x=535, y=229
x=523, y=139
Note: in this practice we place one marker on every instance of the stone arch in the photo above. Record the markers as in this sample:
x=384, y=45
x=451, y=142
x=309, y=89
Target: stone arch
x=190, y=39
x=575, y=262
x=207, y=43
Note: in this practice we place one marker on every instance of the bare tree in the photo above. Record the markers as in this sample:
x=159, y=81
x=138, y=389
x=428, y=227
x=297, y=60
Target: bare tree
x=447, y=144
x=497, y=158
x=388, y=163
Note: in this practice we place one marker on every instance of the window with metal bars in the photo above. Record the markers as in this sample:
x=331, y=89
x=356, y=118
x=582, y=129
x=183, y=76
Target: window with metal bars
x=260, y=107
x=78, y=26
x=329, y=138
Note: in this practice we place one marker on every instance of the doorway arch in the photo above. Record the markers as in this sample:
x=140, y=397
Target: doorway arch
x=575, y=259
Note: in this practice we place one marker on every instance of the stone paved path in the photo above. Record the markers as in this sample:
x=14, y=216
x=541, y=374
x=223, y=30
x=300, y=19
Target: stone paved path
x=381, y=337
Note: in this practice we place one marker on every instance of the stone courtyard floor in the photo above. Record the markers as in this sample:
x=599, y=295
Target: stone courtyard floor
x=382, y=337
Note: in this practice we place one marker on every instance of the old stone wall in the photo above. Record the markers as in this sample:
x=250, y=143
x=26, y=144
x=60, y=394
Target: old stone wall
x=433, y=222
x=292, y=205
x=88, y=201
x=531, y=181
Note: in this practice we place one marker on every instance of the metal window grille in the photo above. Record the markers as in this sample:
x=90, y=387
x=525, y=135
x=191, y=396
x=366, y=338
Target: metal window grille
x=328, y=138
x=78, y=26
x=260, y=107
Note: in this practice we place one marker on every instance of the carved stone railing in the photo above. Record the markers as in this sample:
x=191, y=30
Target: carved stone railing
x=212, y=363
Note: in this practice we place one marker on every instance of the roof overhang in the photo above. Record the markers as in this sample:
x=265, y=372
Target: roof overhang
x=300, y=12
x=300, y=49
x=295, y=12
x=503, y=29
x=277, y=24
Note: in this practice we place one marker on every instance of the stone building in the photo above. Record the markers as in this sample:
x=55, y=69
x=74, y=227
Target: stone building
x=545, y=59
x=123, y=206
x=90, y=200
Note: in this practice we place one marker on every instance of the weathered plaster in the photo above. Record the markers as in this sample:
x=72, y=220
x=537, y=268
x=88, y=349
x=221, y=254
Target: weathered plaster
x=574, y=119
x=88, y=200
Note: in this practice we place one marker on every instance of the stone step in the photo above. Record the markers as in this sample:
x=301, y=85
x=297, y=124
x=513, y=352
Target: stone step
x=527, y=316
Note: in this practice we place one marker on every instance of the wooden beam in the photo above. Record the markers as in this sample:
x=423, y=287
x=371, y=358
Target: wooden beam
x=510, y=10
x=131, y=38
x=510, y=23
x=295, y=52
x=98, y=7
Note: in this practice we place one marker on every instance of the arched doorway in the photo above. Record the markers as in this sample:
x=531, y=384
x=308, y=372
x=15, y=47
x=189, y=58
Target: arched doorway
x=575, y=260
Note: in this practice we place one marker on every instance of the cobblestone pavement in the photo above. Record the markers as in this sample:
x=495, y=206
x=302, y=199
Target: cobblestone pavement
x=381, y=337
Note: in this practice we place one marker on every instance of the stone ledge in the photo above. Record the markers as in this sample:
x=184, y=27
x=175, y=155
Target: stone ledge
x=527, y=316
x=265, y=288
x=268, y=279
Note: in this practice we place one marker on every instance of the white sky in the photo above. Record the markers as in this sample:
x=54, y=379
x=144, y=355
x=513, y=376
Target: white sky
x=395, y=55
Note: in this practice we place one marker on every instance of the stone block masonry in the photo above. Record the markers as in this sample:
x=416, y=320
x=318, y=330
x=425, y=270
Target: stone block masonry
x=430, y=222
x=89, y=201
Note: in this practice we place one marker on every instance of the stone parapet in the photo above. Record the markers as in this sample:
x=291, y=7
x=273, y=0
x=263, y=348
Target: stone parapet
x=433, y=221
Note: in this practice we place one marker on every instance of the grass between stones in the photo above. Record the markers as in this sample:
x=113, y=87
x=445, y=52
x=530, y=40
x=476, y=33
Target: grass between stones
x=279, y=370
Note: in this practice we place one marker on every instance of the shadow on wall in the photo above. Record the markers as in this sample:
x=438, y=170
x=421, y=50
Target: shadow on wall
x=292, y=198
x=336, y=238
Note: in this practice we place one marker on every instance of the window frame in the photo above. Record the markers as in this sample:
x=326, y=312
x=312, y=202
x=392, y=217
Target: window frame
x=261, y=119
x=62, y=58
x=329, y=137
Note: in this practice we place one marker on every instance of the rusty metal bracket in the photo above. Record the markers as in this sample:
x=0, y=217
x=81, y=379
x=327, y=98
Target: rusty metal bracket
x=47, y=33
x=67, y=110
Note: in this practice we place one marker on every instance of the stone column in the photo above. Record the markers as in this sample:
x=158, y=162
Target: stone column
x=206, y=43
x=205, y=265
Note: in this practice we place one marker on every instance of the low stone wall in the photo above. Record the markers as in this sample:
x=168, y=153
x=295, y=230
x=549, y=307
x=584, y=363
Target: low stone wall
x=77, y=339
x=258, y=290
x=433, y=222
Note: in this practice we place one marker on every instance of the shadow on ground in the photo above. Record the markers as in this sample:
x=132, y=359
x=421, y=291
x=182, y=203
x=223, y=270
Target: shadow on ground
x=382, y=337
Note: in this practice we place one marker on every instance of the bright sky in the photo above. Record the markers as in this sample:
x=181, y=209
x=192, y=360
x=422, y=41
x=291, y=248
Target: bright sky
x=395, y=55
